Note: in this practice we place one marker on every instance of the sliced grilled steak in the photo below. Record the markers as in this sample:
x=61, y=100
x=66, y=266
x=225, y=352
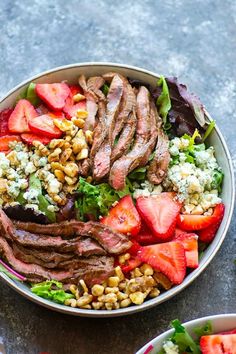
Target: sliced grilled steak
x=94, y=84
x=125, y=139
x=113, y=242
x=128, y=103
x=100, y=129
x=141, y=149
x=84, y=167
x=159, y=165
x=46, y=259
x=91, y=105
x=95, y=269
x=101, y=164
x=88, y=247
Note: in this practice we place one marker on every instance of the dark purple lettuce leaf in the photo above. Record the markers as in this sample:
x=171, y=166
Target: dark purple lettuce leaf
x=19, y=212
x=67, y=212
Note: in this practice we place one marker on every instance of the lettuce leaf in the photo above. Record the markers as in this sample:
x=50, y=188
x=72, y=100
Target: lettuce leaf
x=96, y=200
x=204, y=330
x=51, y=290
x=105, y=89
x=210, y=127
x=163, y=102
x=30, y=94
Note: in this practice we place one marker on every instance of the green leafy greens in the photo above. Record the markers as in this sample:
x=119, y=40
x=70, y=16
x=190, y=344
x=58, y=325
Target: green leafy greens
x=96, y=200
x=210, y=127
x=105, y=89
x=51, y=290
x=164, y=102
x=5, y=271
x=184, y=340
x=30, y=94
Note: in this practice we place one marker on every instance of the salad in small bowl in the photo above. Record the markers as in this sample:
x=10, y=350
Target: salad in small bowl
x=207, y=335
x=116, y=189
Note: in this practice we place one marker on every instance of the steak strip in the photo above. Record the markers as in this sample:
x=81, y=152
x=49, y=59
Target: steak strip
x=145, y=140
x=113, y=242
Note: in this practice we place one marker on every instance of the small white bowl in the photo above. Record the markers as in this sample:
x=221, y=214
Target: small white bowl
x=71, y=73
x=220, y=323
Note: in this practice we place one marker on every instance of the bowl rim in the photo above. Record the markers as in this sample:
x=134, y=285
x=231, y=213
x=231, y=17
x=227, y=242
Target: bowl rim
x=195, y=322
x=168, y=294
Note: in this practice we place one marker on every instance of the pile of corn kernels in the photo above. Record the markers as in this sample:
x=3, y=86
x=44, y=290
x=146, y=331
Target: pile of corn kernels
x=119, y=291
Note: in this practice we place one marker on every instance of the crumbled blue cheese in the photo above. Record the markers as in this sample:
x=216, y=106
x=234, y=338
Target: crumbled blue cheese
x=31, y=196
x=170, y=348
x=146, y=189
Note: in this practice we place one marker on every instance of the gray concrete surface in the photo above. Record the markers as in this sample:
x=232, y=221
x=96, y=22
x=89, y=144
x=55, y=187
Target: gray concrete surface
x=194, y=40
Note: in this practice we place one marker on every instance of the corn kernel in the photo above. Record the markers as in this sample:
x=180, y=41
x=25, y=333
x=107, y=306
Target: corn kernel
x=97, y=305
x=113, y=281
x=121, y=296
x=125, y=303
x=78, y=122
x=60, y=175
x=56, y=166
x=83, y=154
x=83, y=285
x=71, y=169
x=146, y=269
x=89, y=136
x=81, y=113
x=154, y=292
x=78, y=97
x=137, y=298
x=70, y=181
x=84, y=300
x=97, y=290
x=63, y=124
x=110, y=290
x=73, y=289
x=119, y=273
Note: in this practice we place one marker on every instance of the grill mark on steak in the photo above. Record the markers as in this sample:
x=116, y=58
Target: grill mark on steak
x=159, y=165
x=145, y=140
x=101, y=164
x=113, y=242
x=125, y=139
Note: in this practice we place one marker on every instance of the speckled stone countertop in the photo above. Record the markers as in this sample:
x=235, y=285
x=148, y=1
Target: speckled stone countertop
x=194, y=40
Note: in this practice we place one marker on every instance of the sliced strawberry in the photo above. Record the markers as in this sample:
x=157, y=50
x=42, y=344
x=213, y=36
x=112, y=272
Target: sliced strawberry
x=145, y=236
x=190, y=243
x=19, y=119
x=179, y=232
x=43, y=125
x=218, y=344
x=131, y=264
x=4, y=117
x=54, y=95
x=44, y=110
x=168, y=258
x=5, y=140
x=123, y=217
x=70, y=107
x=160, y=214
x=133, y=250
x=233, y=331
x=28, y=138
x=198, y=222
x=207, y=235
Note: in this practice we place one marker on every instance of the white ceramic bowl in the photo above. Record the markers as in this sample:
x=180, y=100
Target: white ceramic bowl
x=220, y=323
x=71, y=73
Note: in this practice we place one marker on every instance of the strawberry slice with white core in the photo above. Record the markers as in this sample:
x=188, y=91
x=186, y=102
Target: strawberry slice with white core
x=19, y=119
x=190, y=222
x=168, y=258
x=218, y=344
x=54, y=95
x=160, y=214
x=44, y=125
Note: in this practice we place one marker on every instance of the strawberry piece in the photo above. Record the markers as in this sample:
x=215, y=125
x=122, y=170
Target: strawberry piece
x=4, y=117
x=233, y=331
x=43, y=125
x=160, y=214
x=190, y=243
x=123, y=217
x=218, y=344
x=133, y=250
x=198, y=222
x=5, y=140
x=28, y=138
x=54, y=95
x=70, y=107
x=169, y=258
x=145, y=236
x=44, y=110
x=19, y=119
x=130, y=264
x=207, y=235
